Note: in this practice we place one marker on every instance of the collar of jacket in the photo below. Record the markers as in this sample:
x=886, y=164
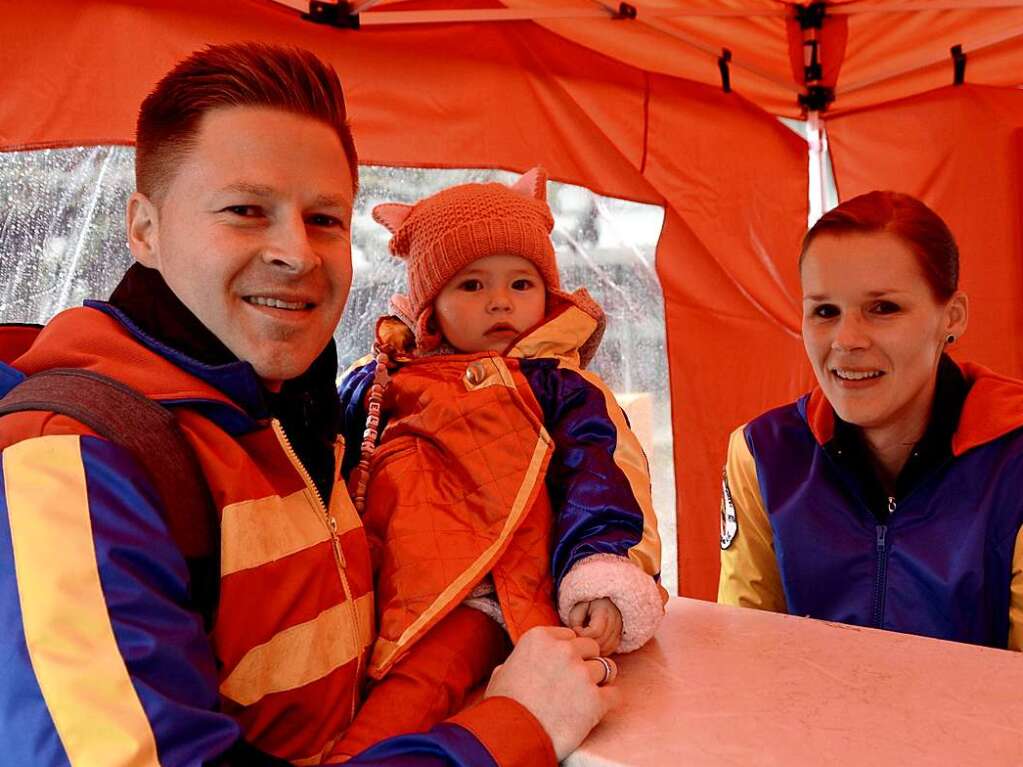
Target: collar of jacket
x=992, y=406
x=561, y=335
x=206, y=376
x=157, y=316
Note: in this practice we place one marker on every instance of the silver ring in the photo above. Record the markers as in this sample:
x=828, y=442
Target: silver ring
x=610, y=670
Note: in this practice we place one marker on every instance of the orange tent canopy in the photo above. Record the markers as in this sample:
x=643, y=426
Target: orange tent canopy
x=629, y=100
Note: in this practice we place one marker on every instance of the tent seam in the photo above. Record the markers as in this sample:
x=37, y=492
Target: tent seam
x=646, y=121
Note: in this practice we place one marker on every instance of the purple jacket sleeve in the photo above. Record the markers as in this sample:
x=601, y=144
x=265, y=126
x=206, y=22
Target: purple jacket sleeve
x=598, y=479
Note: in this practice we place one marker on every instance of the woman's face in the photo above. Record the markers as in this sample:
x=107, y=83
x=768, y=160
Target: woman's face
x=873, y=330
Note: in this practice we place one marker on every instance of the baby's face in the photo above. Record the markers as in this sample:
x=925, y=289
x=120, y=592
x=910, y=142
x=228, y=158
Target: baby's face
x=490, y=303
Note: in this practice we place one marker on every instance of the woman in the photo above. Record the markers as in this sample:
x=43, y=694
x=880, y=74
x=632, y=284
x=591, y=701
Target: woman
x=890, y=496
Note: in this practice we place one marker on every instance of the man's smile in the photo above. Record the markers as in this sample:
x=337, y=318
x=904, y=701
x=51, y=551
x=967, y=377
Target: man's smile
x=295, y=303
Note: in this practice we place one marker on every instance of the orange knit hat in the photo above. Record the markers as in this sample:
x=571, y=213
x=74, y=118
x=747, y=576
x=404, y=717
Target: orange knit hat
x=442, y=234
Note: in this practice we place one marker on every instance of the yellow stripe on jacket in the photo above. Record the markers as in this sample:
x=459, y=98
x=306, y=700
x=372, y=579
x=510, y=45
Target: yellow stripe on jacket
x=1016, y=596
x=749, y=569
x=631, y=459
x=64, y=609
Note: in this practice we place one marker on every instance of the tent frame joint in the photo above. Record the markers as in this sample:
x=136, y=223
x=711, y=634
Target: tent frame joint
x=726, y=77
x=811, y=16
x=958, y=64
x=626, y=11
x=816, y=98
x=338, y=14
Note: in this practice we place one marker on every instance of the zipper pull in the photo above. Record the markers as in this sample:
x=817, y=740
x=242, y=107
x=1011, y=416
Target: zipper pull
x=891, y=505
x=882, y=530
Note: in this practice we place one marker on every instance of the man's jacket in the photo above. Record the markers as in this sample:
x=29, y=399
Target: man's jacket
x=944, y=560
x=521, y=467
x=106, y=661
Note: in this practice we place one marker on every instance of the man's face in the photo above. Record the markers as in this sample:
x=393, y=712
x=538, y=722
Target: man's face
x=253, y=235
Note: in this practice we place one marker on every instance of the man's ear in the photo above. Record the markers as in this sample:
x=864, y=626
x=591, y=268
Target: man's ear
x=142, y=220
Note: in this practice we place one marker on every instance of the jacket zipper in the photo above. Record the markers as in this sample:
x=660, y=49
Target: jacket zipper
x=880, y=577
x=339, y=557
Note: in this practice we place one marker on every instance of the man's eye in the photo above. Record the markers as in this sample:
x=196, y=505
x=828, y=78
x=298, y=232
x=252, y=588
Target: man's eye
x=470, y=286
x=326, y=221
x=886, y=307
x=247, y=211
x=522, y=284
x=825, y=311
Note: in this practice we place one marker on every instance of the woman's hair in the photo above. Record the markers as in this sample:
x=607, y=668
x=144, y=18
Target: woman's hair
x=914, y=223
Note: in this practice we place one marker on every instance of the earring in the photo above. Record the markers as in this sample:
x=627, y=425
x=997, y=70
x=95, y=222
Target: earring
x=951, y=339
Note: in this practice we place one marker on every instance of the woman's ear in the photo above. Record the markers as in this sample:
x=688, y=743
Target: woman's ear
x=142, y=223
x=957, y=314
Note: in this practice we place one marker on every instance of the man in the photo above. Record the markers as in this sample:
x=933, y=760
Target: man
x=246, y=172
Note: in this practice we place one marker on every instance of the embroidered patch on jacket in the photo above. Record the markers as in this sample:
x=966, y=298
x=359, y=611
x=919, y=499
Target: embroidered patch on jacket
x=729, y=520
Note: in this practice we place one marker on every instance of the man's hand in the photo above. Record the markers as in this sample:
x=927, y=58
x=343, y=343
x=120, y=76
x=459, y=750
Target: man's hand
x=548, y=673
x=599, y=620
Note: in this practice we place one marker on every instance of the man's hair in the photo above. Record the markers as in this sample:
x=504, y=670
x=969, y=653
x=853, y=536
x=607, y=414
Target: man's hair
x=923, y=230
x=237, y=75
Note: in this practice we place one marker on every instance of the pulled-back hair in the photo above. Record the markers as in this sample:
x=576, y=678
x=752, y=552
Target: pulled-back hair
x=236, y=75
x=923, y=230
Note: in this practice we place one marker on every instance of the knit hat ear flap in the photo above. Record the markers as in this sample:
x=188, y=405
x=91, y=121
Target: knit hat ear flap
x=393, y=215
x=532, y=183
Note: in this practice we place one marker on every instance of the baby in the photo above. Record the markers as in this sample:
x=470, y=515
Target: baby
x=507, y=490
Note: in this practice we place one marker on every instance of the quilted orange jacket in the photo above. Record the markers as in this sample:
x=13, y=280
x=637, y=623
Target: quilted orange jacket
x=518, y=466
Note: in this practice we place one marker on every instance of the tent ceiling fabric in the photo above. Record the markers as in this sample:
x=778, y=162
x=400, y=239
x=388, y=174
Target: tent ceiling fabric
x=896, y=47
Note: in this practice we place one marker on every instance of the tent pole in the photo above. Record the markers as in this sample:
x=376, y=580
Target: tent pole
x=817, y=149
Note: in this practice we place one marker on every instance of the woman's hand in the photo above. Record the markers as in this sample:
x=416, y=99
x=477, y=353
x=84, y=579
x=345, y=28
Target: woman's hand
x=598, y=620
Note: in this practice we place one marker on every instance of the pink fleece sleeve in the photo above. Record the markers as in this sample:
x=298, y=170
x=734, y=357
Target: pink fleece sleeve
x=633, y=592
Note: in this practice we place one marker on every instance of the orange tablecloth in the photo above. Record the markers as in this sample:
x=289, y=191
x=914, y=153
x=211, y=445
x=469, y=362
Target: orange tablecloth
x=728, y=686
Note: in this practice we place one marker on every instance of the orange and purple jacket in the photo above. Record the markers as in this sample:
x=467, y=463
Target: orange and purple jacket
x=105, y=658
x=942, y=556
x=519, y=466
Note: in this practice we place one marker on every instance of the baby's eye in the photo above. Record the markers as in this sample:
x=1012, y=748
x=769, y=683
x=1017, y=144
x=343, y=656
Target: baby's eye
x=470, y=286
x=825, y=311
x=886, y=307
x=523, y=284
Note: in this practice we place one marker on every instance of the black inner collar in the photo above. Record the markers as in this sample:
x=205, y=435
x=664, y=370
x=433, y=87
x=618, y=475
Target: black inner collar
x=307, y=406
x=850, y=450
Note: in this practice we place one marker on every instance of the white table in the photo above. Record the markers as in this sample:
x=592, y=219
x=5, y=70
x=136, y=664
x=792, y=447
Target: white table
x=729, y=686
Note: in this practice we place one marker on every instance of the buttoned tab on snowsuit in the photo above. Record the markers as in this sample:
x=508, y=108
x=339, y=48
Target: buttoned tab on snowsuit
x=105, y=659
x=521, y=468
x=947, y=562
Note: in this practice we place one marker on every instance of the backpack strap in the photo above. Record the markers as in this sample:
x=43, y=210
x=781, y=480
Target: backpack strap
x=151, y=433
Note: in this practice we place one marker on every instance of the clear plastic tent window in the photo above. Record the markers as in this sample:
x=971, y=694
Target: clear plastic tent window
x=62, y=241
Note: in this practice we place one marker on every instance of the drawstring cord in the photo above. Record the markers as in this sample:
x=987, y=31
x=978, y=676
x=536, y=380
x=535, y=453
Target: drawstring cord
x=371, y=435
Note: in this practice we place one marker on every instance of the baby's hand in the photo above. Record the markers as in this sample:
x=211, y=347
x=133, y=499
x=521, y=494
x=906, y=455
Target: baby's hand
x=599, y=620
